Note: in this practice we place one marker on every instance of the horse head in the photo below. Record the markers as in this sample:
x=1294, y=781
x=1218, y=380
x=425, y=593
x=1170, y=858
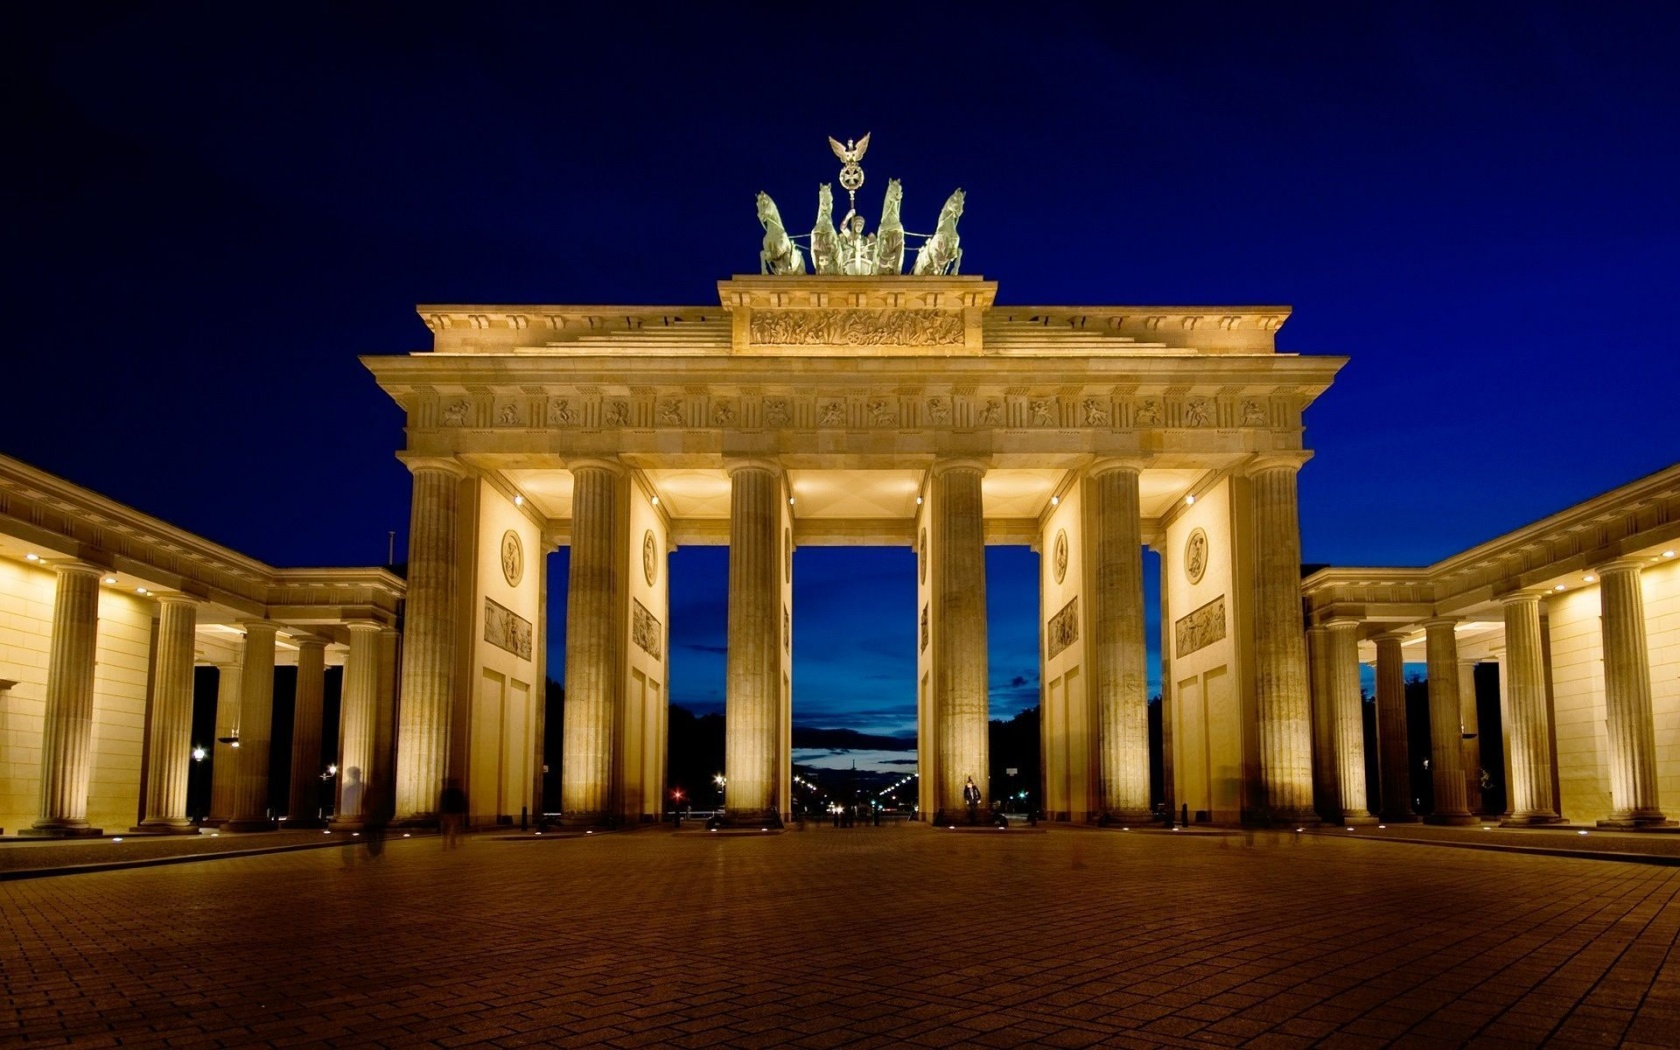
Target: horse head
x=825, y=203
x=767, y=212
x=894, y=199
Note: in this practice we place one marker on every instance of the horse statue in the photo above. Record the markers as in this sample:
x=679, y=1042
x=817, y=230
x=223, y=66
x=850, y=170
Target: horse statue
x=889, y=239
x=940, y=253
x=778, y=255
x=825, y=251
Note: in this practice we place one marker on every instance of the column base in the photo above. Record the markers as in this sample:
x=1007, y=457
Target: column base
x=1451, y=819
x=427, y=821
x=60, y=831
x=1140, y=818
x=731, y=818
x=1639, y=823
x=248, y=825
x=345, y=825
x=1278, y=818
x=164, y=827
x=1358, y=820
x=1399, y=818
x=1531, y=820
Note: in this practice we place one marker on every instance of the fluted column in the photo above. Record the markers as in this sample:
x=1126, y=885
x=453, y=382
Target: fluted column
x=1117, y=649
x=302, y=810
x=359, y=793
x=169, y=747
x=224, y=757
x=1470, y=748
x=1529, y=718
x=68, y=738
x=1327, y=795
x=1627, y=699
x=594, y=629
x=429, y=638
x=959, y=659
x=1348, y=714
x=1283, y=705
x=1395, y=753
x=385, y=715
x=1446, y=750
x=752, y=688
x=256, y=726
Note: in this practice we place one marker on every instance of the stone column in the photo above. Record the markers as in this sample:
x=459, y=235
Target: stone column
x=1120, y=673
x=1627, y=699
x=594, y=633
x=359, y=794
x=256, y=724
x=1446, y=738
x=68, y=735
x=959, y=658
x=1528, y=724
x=224, y=757
x=1470, y=749
x=1348, y=713
x=169, y=747
x=752, y=698
x=1327, y=795
x=1395, y=754
x=1283, y=704
x=430, y=632
x=385, y=715
x=302, y=810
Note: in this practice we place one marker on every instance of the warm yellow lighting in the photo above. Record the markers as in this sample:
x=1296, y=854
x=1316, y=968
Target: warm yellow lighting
x=31, y=556
x=110, y=579
x=1055, y=501
x=519, y=501
x=918, y=501
x=1189, y=501
x=141, y=590
x=1668, y=554
x=1590, y=578
x=655, y=501
x=116, y=838
x=1559, y=587
x=790, y=501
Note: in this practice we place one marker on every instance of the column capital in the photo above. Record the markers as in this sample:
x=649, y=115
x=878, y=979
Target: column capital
x=364, y=625
x=1397, y=636
x=1286, y=459
x=447, y=464
x=1438, y=622
x=1521, y=598
x=303, y=638
x=735, y=464
x=73, y=567
x=1344, y=623
x=609, y=464
x=1627, y=564
x=946, y=464
x=175, y=598
x=256, y=623
x=1135, y=464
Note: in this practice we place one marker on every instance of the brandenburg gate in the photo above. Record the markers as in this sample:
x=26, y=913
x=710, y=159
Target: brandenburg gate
x=856, y=405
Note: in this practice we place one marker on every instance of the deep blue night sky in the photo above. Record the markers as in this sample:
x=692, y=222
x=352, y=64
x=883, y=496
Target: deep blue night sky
x=211, y=212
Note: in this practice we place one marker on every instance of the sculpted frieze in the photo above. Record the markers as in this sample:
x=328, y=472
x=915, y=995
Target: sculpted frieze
x=506, y=629
x=1200, y=629
x=1063, y=629
x=561, y=413
x=856, y=328
x=646, y=630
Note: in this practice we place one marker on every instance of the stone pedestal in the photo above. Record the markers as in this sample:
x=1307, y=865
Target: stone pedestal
x=1528, y=716
x=1347, y=710
x=1446, y=748
x=303, y=800
x=169, y=747
x=1395, y=752
x=594, y=633
x=1117, y=649
x=753, y=685
x=1627, y=700
x=429, y=639
x=1284, y=709
x=68, y=732
x=360, y=795
x=959, y=658
x=256, y=719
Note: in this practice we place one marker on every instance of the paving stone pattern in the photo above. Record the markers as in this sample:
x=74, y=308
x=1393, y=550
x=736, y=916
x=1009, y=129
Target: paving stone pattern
x=857, y=938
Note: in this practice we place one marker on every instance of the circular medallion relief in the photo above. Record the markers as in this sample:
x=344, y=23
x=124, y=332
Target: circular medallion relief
x=650, y=557
x=513, y=558
x=1195, y=555
x=921, y=557
x=1061, y=554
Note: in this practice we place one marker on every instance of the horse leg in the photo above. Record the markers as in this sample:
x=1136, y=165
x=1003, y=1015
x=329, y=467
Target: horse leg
x=956, y=262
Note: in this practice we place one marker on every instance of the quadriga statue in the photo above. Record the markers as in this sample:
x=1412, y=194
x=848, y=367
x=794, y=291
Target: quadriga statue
x=940, y=253
x=778, y=256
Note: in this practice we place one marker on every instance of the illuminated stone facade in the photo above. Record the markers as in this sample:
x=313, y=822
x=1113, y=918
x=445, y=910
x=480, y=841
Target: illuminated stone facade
x=1581, y=613
x=104, y=613
x=883, y=410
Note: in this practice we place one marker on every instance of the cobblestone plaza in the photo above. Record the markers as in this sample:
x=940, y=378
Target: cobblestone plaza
x=861, y=937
